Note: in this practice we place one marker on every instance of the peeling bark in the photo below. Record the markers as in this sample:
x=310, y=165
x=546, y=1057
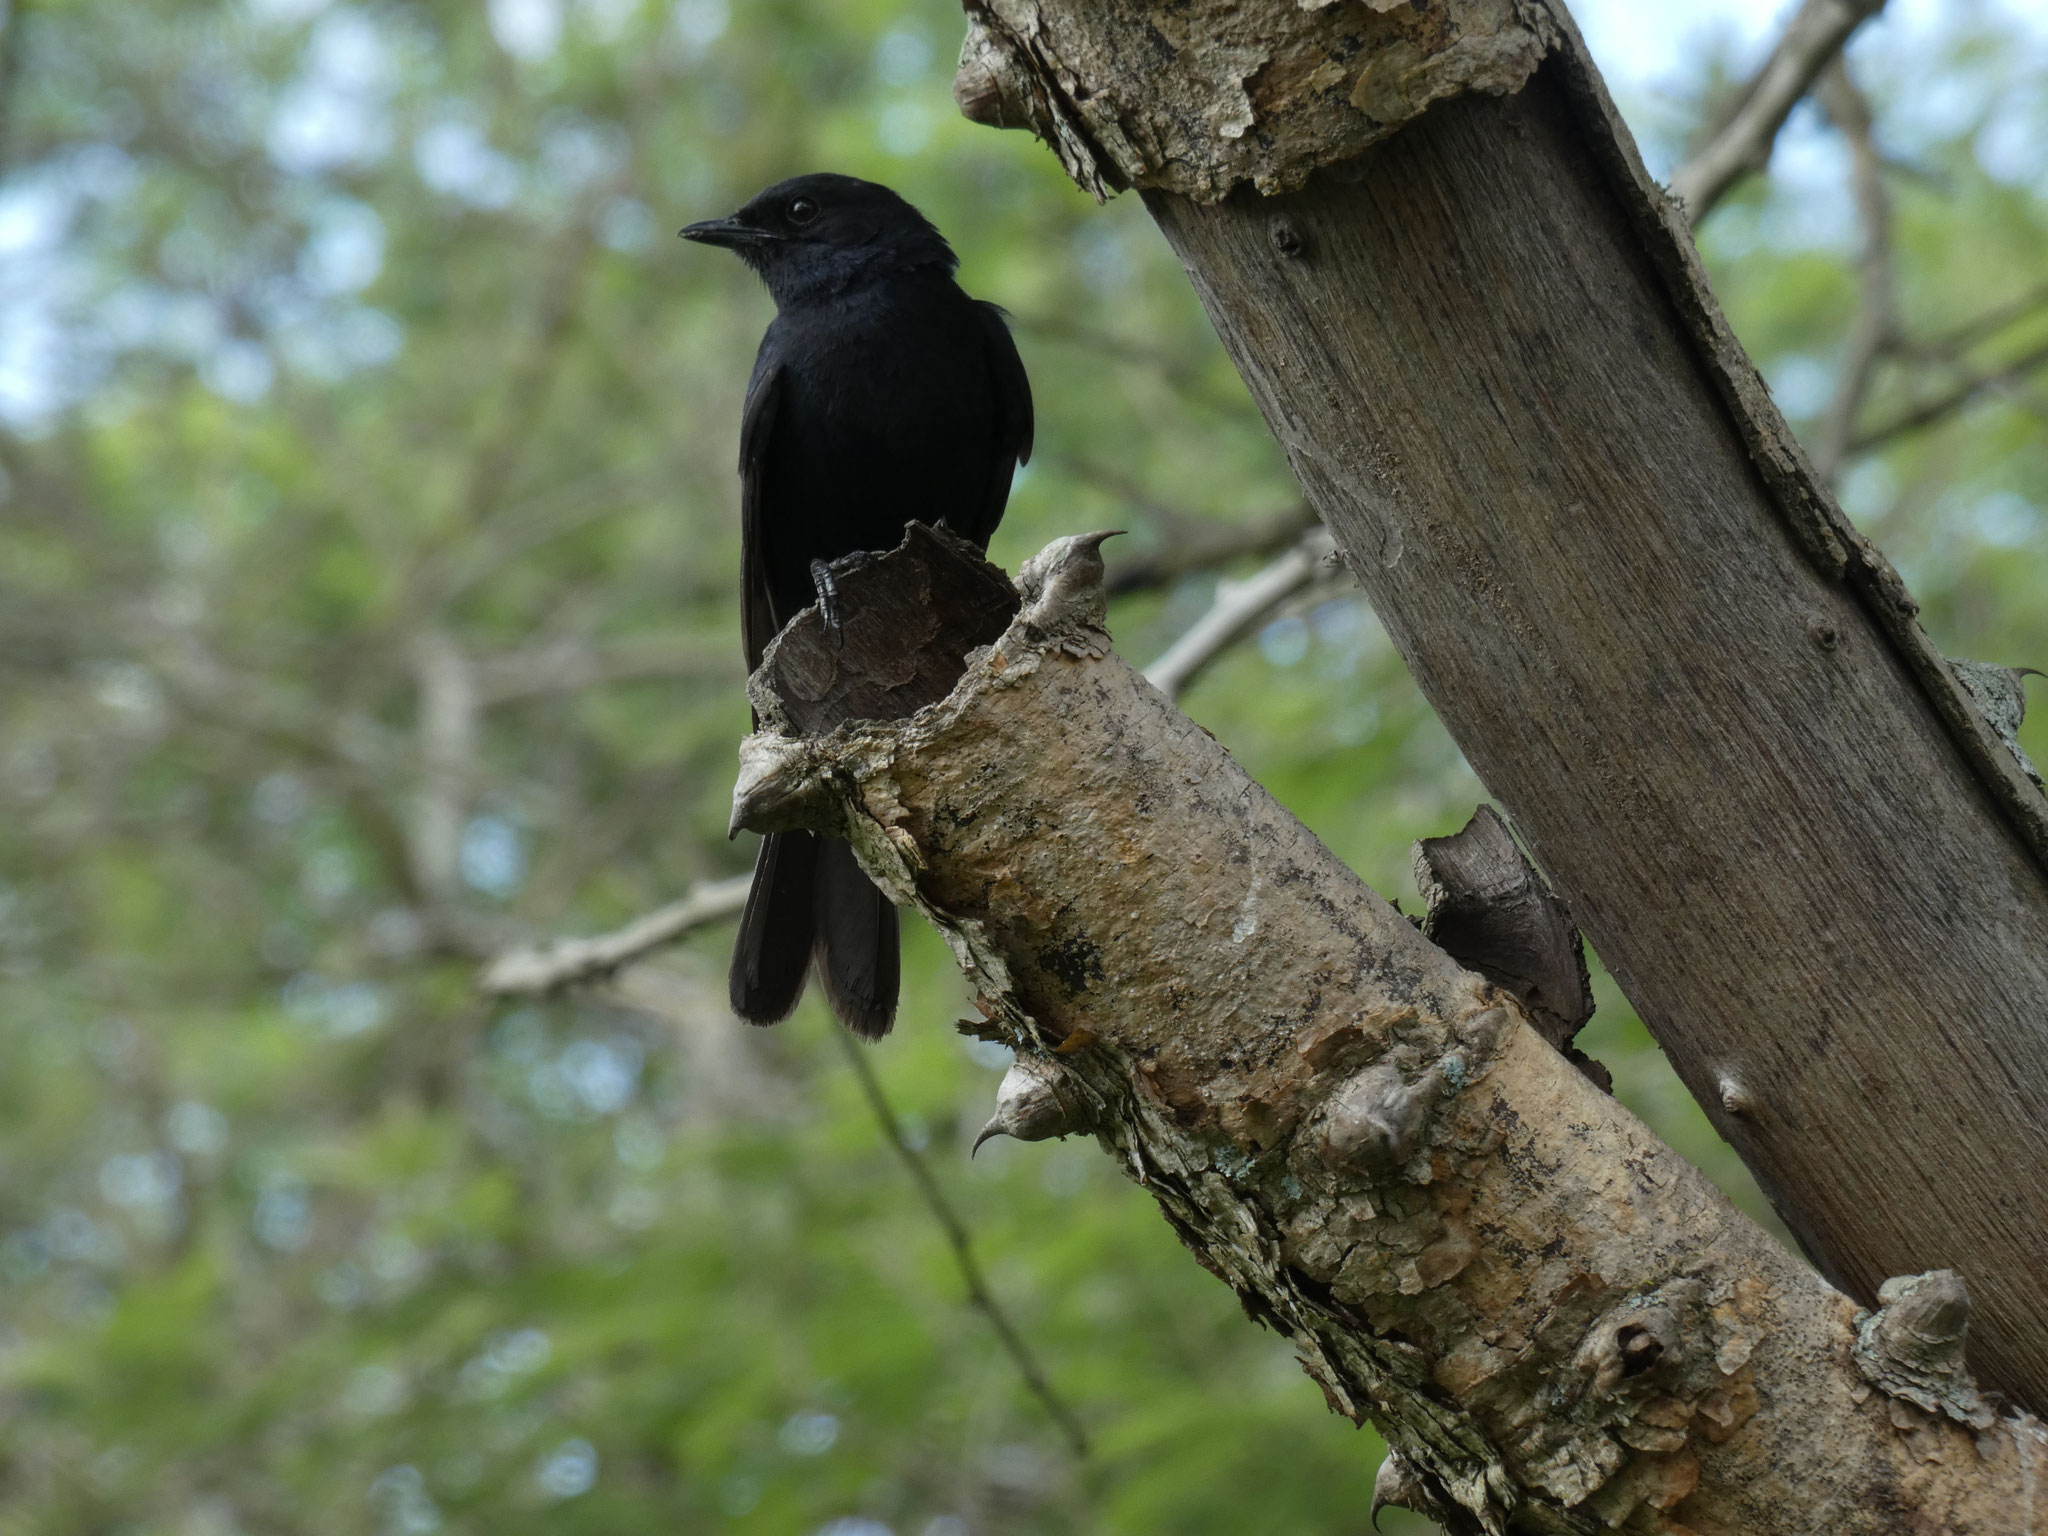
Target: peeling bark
x=1494, y=360
x=1557, y=1323
x=1194, y=99
x=1491, y=912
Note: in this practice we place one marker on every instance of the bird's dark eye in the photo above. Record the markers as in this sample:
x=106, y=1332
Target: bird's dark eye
x=802, y=210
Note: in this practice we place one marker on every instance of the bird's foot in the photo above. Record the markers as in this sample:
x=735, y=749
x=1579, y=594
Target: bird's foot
x=828, y=600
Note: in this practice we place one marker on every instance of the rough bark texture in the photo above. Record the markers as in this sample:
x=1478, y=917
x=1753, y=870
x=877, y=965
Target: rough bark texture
x=1253, y=93
x=1491, y=354
x=1559, y=1325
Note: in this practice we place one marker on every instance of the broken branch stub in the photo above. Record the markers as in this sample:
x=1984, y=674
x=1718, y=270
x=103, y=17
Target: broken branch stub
x=896, y=648
x=1490, y=911
x=1200, y=96
x=1557, y=1323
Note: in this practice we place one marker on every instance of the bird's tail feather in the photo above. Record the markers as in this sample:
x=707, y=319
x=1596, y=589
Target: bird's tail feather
x=809, y=898
x=773, y=951
x=859, y=950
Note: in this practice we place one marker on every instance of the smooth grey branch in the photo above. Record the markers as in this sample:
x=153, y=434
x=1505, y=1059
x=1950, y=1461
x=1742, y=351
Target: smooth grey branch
x=1239, y=606
x=1814, y=36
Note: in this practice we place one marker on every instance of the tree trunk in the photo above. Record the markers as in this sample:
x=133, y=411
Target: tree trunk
x=1490, y=352
x=1558, y=1324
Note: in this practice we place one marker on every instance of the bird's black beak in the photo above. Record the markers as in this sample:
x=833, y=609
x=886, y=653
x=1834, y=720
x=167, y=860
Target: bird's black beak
x=730, y=233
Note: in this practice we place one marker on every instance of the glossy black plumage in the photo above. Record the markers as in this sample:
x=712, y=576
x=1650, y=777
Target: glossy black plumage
x=882, y=393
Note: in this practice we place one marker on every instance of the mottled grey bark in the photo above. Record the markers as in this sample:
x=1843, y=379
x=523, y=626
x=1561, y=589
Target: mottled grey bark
x=1493, y=358
x=1558, y=1324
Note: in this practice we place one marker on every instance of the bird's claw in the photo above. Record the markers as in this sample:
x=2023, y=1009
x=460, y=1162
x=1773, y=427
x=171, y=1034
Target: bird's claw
x=828, y=600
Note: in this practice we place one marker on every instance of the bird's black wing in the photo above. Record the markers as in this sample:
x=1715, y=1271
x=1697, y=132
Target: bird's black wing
x=1013, y=413
x=772, y=953
x=757, y=428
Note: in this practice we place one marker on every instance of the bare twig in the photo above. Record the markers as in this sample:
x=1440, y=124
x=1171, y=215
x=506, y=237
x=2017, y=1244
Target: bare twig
x=949, y=1221
x=1950, y=401
x=532, y=970
x=1950, y=344
x=564, y=666
x=1815, y=35
x=505, y=438
x=1190, y=377
x=1876, y=326
x=1239, y=606
x=1203, y=546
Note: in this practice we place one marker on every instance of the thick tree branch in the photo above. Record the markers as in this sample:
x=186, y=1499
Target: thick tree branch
x=1557, y=1323
x=1815, y=36
x=1499, y=371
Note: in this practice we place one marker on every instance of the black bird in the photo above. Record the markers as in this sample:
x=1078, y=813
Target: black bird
x=881, y=393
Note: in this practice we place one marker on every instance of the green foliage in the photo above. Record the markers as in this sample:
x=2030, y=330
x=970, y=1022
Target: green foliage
x=354, y=339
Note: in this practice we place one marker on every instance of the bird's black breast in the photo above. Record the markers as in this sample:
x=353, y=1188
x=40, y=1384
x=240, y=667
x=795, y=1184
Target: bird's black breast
x=892, y=406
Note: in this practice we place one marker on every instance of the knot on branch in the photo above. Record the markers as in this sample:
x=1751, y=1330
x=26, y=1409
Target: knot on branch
x=1912, y=1346
x=1402, y=1484
x=1032, y=1104
x=1394, y=1070
x=785, y=785
x=1374, y=1123
x=1008, y=79
x=1619, y=1388
x=905, y=624
x=2001, y=693
x=1065, y=604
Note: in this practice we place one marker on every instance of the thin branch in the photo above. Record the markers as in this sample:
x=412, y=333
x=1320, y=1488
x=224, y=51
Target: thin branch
x=1815, y=35
x=1190, y=378
x=1876, y=326
x=1950, y=344
x=506, y=437
x=535, y=969
x=525, y=525
x=1951, y=401
x=1238, y=608
x=949, y=1221
x=565, y=666
x=1202, y=546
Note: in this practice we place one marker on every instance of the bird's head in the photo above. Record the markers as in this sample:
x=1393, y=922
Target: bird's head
x=822, y=233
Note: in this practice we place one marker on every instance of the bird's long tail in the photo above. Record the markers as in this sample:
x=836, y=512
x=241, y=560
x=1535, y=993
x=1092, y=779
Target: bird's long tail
x=859, y=952
x=809, y=898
